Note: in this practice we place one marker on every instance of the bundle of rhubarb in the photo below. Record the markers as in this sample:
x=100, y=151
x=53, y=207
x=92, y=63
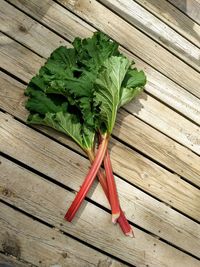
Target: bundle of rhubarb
x=78, y=92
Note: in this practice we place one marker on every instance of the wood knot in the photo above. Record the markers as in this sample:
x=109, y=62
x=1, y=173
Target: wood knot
x=6, y=192
x=22, y=28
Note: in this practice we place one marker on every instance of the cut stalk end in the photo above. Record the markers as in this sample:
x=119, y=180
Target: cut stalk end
x=130, y=233
x=115, y=216
x=67, y=218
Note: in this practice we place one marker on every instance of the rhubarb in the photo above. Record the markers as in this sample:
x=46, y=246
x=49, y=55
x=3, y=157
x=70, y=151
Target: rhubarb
x=78, y=92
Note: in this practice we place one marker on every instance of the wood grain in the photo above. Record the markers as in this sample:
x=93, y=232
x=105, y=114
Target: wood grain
x=70, y=26
x=48, y=246
x=48, y=202
x=10, y=261
x=146, y=209
x=189, y=7
x=139, y=17
x=136, y=42
x=157, y=146
x=145, y=107
x=174, y=18
x=132, y=39
x=33, y=149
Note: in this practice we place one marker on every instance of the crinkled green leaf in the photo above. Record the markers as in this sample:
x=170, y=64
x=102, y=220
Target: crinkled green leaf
x=108, y=89
x=116, y=85
x=133, y=84
x=79, y=89
x=66, y=123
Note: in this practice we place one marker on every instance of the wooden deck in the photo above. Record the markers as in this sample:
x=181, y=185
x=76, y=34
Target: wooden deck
x=155, y=147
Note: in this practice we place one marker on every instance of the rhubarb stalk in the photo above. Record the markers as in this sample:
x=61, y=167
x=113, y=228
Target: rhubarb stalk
x=114, y=201
x=123, y=223
x=88, y=180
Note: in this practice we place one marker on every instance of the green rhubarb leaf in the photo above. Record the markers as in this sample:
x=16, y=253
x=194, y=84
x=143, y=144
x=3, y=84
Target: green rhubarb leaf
x=53, y=111
x=133, y=84
x=108, y=89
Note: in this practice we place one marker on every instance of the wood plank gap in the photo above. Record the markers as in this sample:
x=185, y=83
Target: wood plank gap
x=162, y=132
x=171, y=107
x=12, y=76
x=91, y=201
x=190, y=17
x=70, y=41
x=168, y=24
x=66, y=234
x=35, y=128
x=39, y=21
x=122, y=142
x=46, y=177
x=146, y=34
x=60, y=225
x=127, y=49
x=21, y=44
x=114, y=137
x=127, y=109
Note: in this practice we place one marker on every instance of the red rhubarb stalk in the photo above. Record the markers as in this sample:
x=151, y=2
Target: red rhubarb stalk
x=113, y=196
x=123, y=223
x=88, y=180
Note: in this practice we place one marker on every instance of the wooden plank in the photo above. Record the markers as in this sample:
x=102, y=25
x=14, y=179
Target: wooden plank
x=145, y=107
x=28, y=31
x=166, y=121
x=139, y=17
x=48, y=202
x=10, y=261
x=49, y=247
x=33, y=149
x=135, y=41
x=152, y=143
x=132, y=39
x=68, y=25
x=162, y=215
x=174, y=18
x=189, y=7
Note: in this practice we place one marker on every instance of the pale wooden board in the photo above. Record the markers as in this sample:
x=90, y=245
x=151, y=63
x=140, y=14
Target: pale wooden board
x=49, y=202
x=35, y=243
x=166, y=121
x=153, y=143
x=189, y=7
x=10, y=261
x=33, y=149
x=132, y=39
x=28, y=31
x=139, y=17
x=174, y=18
x=137, y=42
x=146, y=209
x=145, y=107
x=68, y=25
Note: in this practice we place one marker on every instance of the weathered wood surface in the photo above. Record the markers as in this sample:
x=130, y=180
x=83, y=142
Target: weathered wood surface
x=161, y=125
x=174, y=18
x=139, y=17
x=10, y=261
x=37, y=244
x=28, y=65
x=33, y=149
x=189, y=7
x=68, y=25
x=132, y=39
x=47, y=201
x=150, y=171
x=137, y=42
x=145, y=107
